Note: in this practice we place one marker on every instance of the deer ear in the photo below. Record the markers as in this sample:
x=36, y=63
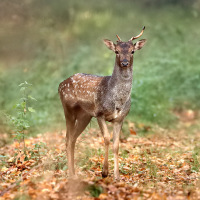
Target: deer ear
x=109, y=44
x=138, y=45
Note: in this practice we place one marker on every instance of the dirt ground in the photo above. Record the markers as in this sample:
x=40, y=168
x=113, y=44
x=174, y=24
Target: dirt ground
x=160, y=164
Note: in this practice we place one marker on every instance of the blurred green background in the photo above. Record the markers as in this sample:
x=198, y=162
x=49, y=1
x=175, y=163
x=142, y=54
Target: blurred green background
x=46, y=41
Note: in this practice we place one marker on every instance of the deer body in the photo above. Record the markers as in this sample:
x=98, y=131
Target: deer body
x=106, y=98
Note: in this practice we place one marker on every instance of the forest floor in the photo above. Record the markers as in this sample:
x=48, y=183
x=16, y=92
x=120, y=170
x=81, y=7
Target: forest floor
x=162, y=164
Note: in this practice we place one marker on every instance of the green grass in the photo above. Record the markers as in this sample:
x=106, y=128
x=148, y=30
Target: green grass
x=66, y=38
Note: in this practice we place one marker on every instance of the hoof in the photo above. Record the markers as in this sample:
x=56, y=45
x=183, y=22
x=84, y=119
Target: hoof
x=104, y=174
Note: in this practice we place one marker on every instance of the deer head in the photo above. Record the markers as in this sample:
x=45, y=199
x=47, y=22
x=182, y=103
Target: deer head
x=124, y=50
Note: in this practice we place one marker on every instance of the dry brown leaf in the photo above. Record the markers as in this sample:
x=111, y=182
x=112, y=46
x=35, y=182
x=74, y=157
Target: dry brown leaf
x=132, y=132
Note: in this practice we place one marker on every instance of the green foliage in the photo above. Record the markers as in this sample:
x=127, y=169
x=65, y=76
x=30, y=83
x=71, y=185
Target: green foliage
x=20, y=119
x=196, y=160
x=125, y=154
x=95, y=190
x=121, y=168
x=22, y=197
x=59, y=163
x=85, y=162
x=20, y=123
x=40, y=149
x=69, y=40
x=151, y=166
x=2, y=160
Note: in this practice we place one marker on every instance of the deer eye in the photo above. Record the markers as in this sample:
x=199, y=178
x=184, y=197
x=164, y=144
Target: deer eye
x=117, y=52
x=132, y=52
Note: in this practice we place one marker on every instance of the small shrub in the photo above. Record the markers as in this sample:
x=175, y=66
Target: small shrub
x=20, y=120
x=95, y=190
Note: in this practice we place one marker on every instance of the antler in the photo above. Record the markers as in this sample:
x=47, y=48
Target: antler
x=118, y=38
x=133, y=38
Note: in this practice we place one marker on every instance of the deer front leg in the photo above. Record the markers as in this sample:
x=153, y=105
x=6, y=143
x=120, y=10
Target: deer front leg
x=117, y=126
x=70, y=156
x=106, y=136
x=70, y=145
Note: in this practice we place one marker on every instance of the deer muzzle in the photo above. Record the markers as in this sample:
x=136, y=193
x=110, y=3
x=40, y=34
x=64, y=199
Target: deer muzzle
x=124, y=63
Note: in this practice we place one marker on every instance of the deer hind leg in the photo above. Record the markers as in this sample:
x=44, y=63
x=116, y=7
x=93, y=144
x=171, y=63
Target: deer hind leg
x=117, y=126
x=106, y=136
x=76, y=122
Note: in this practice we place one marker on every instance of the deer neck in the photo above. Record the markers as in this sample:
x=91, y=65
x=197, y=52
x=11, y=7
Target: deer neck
x=121, y=76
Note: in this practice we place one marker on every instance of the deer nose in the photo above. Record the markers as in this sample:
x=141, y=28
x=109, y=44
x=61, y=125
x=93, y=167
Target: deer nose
x=124, y=63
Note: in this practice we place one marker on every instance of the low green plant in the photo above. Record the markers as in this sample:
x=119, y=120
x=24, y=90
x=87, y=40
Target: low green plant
x=85, y=161
x=100, y=151
x=133, y=170
x=95, y=190
x=20, y=118
x=39, y=150
x=152, y=167
x=2, y=161
x=196, y=162
x=22, y=196
x=125, y=154
x=121, y=168
x=61, y=162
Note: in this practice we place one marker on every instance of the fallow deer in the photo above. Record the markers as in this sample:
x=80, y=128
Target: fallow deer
x=107, y=98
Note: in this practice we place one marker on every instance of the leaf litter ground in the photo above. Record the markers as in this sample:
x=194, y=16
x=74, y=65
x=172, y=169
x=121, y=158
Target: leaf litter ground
x=163, y=164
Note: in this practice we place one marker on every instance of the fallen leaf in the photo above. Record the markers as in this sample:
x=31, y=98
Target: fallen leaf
x=132, y=132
